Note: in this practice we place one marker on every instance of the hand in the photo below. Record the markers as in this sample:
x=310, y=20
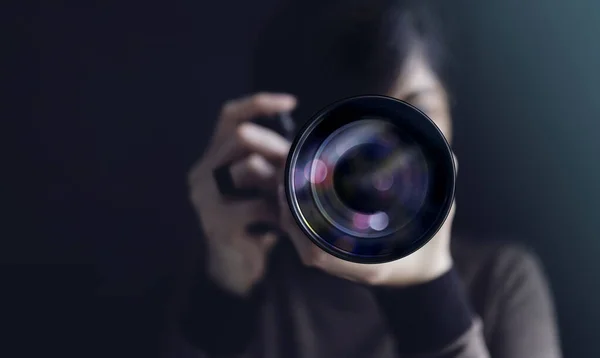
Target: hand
x=236, y=257
x=426, y=264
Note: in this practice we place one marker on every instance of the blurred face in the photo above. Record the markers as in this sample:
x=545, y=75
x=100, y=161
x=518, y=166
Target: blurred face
x=419, y=86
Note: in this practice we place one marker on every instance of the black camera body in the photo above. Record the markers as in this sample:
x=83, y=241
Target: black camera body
x=369, y=179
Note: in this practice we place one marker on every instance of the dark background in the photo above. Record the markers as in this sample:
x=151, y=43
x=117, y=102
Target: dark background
x=113, y=102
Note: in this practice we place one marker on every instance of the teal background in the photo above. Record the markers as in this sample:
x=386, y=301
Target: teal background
x=527, y=138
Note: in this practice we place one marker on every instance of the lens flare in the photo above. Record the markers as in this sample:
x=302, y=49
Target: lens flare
x=316, y=171
x=379, y=221
x=319, y=171
x=383, y=182
x=361, y=221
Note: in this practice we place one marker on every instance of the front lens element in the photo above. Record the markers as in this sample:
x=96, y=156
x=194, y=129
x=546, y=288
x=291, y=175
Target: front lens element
x=370, y=179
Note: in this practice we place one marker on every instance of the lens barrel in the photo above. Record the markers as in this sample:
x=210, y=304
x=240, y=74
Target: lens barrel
x=370, y=179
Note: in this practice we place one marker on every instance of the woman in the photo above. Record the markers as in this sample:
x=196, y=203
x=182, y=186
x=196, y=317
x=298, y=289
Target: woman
x=259, y=295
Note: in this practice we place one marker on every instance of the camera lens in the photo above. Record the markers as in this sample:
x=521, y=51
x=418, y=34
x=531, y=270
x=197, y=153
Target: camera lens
x=370, y=179
x=349, y=174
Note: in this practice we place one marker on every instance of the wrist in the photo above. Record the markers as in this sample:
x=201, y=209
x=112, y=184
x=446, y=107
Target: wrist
x=427, y=271
x=224, y=274
x=435, y=269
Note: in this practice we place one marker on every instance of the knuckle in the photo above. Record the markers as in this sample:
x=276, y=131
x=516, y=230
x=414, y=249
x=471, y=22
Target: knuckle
x=240, y=135
x=256, y=162
x=259, y=99
x=227, y=108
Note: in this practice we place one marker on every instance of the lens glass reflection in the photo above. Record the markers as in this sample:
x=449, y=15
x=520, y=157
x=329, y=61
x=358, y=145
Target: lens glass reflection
x=366, y=180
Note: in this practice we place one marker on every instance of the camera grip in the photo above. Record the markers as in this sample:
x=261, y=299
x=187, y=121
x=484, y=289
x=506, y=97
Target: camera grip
x=281, y=123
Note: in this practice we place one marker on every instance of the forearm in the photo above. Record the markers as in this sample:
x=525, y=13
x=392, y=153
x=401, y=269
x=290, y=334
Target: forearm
x=219, y=322
x=433, y=319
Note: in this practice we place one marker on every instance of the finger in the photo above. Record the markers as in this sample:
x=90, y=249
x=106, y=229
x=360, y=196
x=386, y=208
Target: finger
x=264, y=241
x=261, y=225
x=252, y=138
x=256, y=217
x=254, y=171
x=261, y=104
x=268, y=240
x=263, y=141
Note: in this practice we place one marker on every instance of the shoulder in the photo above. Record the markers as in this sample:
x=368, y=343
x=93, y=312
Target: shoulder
x=494, y=258
x=509, y=292
x=498, y=271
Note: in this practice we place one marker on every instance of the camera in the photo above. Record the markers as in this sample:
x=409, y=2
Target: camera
x=369, y=179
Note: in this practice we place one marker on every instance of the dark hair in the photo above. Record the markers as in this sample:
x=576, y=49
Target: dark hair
x=325, y=50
